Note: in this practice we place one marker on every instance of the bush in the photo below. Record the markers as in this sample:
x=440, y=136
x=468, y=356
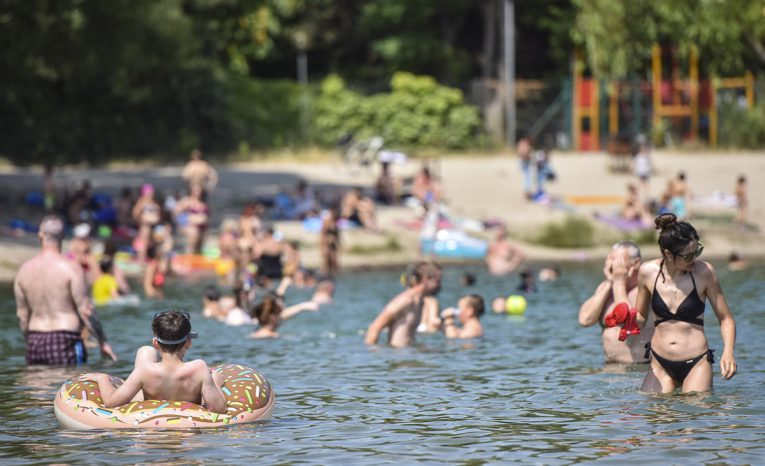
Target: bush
x=740, y=127
x=417, y=112
x=573, y=232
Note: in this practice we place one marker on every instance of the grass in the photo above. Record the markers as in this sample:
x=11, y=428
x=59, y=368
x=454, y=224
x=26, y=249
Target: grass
x=391, y=244
x=573, y=232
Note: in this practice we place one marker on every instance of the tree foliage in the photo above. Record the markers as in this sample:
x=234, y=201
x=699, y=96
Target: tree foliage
x=416, y=112
x=618, y=36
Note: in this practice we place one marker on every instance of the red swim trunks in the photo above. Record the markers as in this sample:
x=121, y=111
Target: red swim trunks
x=61, y=348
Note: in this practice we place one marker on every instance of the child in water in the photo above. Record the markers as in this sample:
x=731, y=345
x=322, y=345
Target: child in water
x=469, y=312
x=105, y=288
x=169, y=378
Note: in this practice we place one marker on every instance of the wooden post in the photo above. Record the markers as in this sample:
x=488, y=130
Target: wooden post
x=613, y=108
x=576, y=102
x=656, y=75
x=749, y=77
x=694, y=92
x=713, y=112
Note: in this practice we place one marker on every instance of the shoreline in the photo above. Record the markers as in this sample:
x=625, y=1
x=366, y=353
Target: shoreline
x=476, y=187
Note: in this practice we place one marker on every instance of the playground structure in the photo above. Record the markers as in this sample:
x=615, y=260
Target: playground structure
x=689, y=105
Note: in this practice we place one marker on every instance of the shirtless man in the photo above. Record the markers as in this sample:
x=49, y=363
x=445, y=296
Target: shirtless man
x=200, y=174
x=52, y=304
x=620, y=285
x=169, y=378
x=402, y=314
x=503, y=256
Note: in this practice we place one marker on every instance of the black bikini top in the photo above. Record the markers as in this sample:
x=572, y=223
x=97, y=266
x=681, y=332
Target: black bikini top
x=690, y=310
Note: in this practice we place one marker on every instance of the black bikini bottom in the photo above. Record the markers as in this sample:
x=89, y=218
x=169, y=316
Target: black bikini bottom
x=679, y=370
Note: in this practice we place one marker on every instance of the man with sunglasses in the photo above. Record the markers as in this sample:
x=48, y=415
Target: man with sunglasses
x=169, y=378
x=620, y=285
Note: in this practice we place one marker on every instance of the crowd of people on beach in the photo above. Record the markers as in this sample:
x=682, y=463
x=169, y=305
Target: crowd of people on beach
x=651, y=312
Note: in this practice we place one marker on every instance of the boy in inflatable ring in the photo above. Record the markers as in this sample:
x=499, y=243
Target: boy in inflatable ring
x=169, y=378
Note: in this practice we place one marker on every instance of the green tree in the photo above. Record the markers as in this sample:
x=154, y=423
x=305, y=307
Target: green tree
x=618, y=36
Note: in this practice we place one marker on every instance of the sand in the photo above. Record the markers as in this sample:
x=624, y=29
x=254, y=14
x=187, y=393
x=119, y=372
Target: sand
x=485, y=187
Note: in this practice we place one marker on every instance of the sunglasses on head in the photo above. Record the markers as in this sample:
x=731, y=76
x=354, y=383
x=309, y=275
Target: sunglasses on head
x=692, y=255
x=188, y=336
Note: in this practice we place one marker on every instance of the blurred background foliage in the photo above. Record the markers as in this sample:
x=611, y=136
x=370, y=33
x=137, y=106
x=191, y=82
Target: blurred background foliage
x=91, y=81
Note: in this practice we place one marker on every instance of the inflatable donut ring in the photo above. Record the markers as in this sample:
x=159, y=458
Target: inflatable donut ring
x=249, y=397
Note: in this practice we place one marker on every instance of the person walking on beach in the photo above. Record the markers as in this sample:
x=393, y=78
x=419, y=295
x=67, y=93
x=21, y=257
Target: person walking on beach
x=680, y=194
x=199, y=174
x=523, y=150
x=52, y=304
x=742, y=201
x=402, y=314
x=676, y=288
x=620, y=285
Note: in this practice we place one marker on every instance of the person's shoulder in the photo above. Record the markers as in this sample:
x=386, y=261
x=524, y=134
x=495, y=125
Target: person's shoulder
x=198, y=366
x=703, y=269
x=648, y=268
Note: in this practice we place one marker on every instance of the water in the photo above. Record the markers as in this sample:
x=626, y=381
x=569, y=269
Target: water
x=533, y=391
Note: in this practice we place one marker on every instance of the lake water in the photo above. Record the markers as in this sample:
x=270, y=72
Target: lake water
x=533, y=391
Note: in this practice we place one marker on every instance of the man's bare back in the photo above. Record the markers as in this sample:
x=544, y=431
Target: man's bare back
x=52, y=303
x=49, y=291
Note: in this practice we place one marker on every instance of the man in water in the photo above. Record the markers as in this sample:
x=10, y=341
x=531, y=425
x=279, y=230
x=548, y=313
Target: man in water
x=620, y=285
x=52, y=304
x=503, y=256
x=402, y=314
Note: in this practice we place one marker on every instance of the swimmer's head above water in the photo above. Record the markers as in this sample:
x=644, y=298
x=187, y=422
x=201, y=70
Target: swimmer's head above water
x=51, y=229
x=172, y=330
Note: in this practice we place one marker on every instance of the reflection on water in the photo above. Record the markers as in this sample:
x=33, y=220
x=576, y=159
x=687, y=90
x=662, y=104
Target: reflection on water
x=533, y=391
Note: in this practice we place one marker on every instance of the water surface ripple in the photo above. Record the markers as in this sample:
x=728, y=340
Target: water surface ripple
x=533, y=391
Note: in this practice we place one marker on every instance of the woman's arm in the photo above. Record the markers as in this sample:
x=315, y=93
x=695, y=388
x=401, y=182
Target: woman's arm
x=727, y=323
x=644, y=295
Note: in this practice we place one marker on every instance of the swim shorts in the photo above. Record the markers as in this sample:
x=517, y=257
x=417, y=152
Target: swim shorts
x=56, y=348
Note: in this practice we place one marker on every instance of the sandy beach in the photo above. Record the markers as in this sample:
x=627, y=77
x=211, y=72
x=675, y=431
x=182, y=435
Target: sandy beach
x=481, y=188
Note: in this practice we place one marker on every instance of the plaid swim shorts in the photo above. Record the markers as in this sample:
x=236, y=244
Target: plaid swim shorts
x=56, y=348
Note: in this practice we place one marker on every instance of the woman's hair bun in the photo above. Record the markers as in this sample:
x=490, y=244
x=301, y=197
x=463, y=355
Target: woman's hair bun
x=665, y=220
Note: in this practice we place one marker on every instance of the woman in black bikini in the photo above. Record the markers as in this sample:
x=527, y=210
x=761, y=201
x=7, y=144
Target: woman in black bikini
x=676, y=287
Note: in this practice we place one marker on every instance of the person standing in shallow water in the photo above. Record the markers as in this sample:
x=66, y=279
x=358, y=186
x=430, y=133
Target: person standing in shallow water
x=676, y=288
x=619, y=285
x=402, y=314
x=52, y=304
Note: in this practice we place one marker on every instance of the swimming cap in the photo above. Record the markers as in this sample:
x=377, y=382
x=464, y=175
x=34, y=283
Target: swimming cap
x=147, y=188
